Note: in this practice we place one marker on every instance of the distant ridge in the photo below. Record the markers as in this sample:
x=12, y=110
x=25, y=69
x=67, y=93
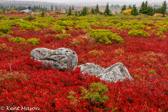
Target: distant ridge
x=31, y=3
x=80, y=4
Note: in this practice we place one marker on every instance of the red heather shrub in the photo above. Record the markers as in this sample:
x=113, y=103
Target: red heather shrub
x=24, y=82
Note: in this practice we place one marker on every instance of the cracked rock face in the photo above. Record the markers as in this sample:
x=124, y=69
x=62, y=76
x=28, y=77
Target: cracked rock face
x=114, y=73
x=91, y=69
x=61, y=58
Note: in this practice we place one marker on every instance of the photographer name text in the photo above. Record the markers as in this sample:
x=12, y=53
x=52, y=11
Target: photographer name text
x=18, y=108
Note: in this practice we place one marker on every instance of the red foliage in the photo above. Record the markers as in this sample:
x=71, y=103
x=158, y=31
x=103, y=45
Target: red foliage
x=49, y=89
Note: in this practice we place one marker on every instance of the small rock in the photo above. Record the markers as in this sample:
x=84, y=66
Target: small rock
x=61, y=58
x=91, y=69
x=114, y=73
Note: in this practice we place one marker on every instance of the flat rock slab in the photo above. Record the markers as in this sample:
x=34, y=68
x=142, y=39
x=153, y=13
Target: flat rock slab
x=114, y=73
x=91, y=69
x=61, y=58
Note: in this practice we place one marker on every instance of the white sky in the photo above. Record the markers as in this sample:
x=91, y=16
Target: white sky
x=82, y=1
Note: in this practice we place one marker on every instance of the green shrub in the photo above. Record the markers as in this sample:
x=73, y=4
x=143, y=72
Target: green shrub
x=152, y=71
x=96, y=93
x=64, y=19
x=29, y=18
x=65, y=23
x=159, y=33
x=163, y=28
x=17, y=39
x=137, y=27
x=33, y=41
x=72, y=98
x=105, y=36
x=3, y=17
x=23, y=24
x=5, y=29
x=96, y=24
x=5, y=26
x=163, y=36
x=58, y=28
x=69, y=28
x=136, y=33
x=148, y=28
x=40, y=24
x=82, y=25
x=1, y=33
x=14, y=17
x=114, y=109
x=61, y=36
x=115, y=21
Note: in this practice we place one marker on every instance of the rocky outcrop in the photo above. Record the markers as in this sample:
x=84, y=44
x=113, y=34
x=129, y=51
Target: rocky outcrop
x=64, y=58
x=114, y=73
x=91, y=69
x=61, y=58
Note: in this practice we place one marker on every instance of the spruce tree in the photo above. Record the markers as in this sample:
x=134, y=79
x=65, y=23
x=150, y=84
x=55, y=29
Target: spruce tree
x=69, y=11
x=142, y=7
x=154, y=10
x=92, y=11
x=150, y=11
x=51, y=8
x=97, y=9
x=42, y=14
x=163, y=8
x=129, y=7
x=55, y=7
x=134, y=11
x=84, y=11
x=146, y=8
x=123, y=8
x=73, y=7
x=107, y=10
x=76, y=13
x=158, y=10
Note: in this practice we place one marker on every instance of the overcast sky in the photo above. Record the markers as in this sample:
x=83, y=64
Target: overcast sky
x=81, y=1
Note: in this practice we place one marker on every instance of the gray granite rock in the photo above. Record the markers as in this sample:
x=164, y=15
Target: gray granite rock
x=91, y=69
x=114, y=73
x=61, y=58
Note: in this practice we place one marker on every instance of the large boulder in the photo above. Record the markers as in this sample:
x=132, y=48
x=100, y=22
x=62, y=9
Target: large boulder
x=91, y=69
x=114, y=73
x=61, y=58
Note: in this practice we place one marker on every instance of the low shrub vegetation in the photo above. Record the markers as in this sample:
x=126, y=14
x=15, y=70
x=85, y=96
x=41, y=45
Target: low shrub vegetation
x=138, y=33
x=105, y=36
x=18, y=40
x=96, y=93
x=99, y=39
x=33, y=41
x=61, y=36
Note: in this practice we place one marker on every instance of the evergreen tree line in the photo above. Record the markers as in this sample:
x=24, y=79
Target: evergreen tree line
x=85, y=11
x=8, y=8
x=146, y=9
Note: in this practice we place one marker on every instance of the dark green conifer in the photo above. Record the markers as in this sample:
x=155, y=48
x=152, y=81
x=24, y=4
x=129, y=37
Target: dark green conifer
x=123, y=8
x=107, y=10
x=97, y=9
x=134, y=11
x=69, y=11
